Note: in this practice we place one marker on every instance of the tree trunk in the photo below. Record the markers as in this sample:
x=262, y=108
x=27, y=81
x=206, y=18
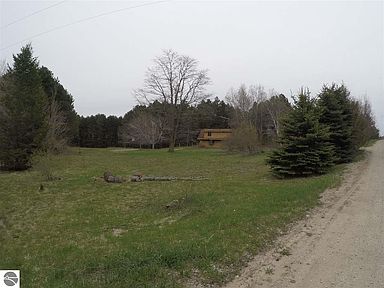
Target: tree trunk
x=153, y=145
x=172, y=138
x=171, y=143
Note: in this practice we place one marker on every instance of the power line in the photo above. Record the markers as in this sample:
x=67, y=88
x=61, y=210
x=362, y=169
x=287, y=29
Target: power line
x=82, y=20
x=32, y=14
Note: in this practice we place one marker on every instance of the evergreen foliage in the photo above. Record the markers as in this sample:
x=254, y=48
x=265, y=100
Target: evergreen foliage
x=99, y=131
x=305, y=147
x=23, y=123
x=336, y=113
x=213, y=114
x=56, y=92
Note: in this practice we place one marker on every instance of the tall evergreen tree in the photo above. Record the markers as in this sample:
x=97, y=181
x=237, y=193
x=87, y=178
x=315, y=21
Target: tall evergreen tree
x=22, y=119
x=336, y=112
x=213, y=114
x=112, y=131
x=305, y=147
x=99, y=131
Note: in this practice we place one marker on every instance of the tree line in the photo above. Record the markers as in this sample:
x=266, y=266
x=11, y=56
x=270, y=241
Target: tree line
x=37, y=114
x=146, y=126
x=174, y=107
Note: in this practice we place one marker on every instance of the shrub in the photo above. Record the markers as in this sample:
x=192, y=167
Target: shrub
x=244, y=139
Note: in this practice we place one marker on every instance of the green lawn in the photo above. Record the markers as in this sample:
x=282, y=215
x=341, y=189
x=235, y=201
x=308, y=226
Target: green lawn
x=82, y=232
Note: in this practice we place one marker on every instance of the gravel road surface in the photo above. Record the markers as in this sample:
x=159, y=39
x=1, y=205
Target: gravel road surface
x=339, y=244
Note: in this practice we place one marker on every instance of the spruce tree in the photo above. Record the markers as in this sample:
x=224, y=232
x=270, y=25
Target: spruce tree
x=305, y=148
x=22, y=118
x=336, y=112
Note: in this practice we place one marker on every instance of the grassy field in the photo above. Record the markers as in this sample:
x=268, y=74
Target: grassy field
x=82, y=232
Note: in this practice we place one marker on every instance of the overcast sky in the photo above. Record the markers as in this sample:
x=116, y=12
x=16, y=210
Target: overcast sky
x=282, y=45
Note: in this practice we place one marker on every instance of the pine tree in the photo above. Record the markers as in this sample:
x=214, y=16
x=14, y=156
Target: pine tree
x=336, y=112
x=22, y=118
x=305, y=149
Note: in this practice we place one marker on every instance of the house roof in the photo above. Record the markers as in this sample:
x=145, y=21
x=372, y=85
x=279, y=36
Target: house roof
x=216, y=136
x=217, y=130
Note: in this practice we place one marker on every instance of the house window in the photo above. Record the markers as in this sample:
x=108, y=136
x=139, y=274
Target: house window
x=209, y=133
x=211, y=142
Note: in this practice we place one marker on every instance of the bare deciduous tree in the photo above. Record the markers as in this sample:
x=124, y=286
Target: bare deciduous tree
x=258, y=110
x=55, y=139
x=240, y=99
x=3, y=70
x=364, y=126
x=3, y=67
x=258, y=93
x=277, y=106
x=243, y=101
x=176, y=82
x=6, y=85
x=245, y=136
x=144, y=128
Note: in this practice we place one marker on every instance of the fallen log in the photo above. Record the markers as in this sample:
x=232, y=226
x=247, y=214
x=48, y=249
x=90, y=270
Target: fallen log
x=108, y=177
x=139, y=177
x=136, y=178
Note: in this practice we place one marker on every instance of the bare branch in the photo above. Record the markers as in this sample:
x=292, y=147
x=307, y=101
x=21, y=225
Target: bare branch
x=56, y=140
x=175, y=81
x=3, y=67
x=143, y=129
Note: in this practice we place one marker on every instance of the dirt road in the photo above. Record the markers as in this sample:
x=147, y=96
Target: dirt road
x=340, y=244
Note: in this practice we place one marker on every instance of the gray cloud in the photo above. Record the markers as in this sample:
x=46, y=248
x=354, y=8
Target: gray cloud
x=281, y=45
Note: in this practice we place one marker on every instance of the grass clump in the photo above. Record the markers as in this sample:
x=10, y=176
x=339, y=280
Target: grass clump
x=79, y=232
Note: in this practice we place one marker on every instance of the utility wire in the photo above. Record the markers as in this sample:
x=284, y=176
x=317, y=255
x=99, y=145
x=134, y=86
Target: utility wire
x=32, y=14
x=83, y=20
